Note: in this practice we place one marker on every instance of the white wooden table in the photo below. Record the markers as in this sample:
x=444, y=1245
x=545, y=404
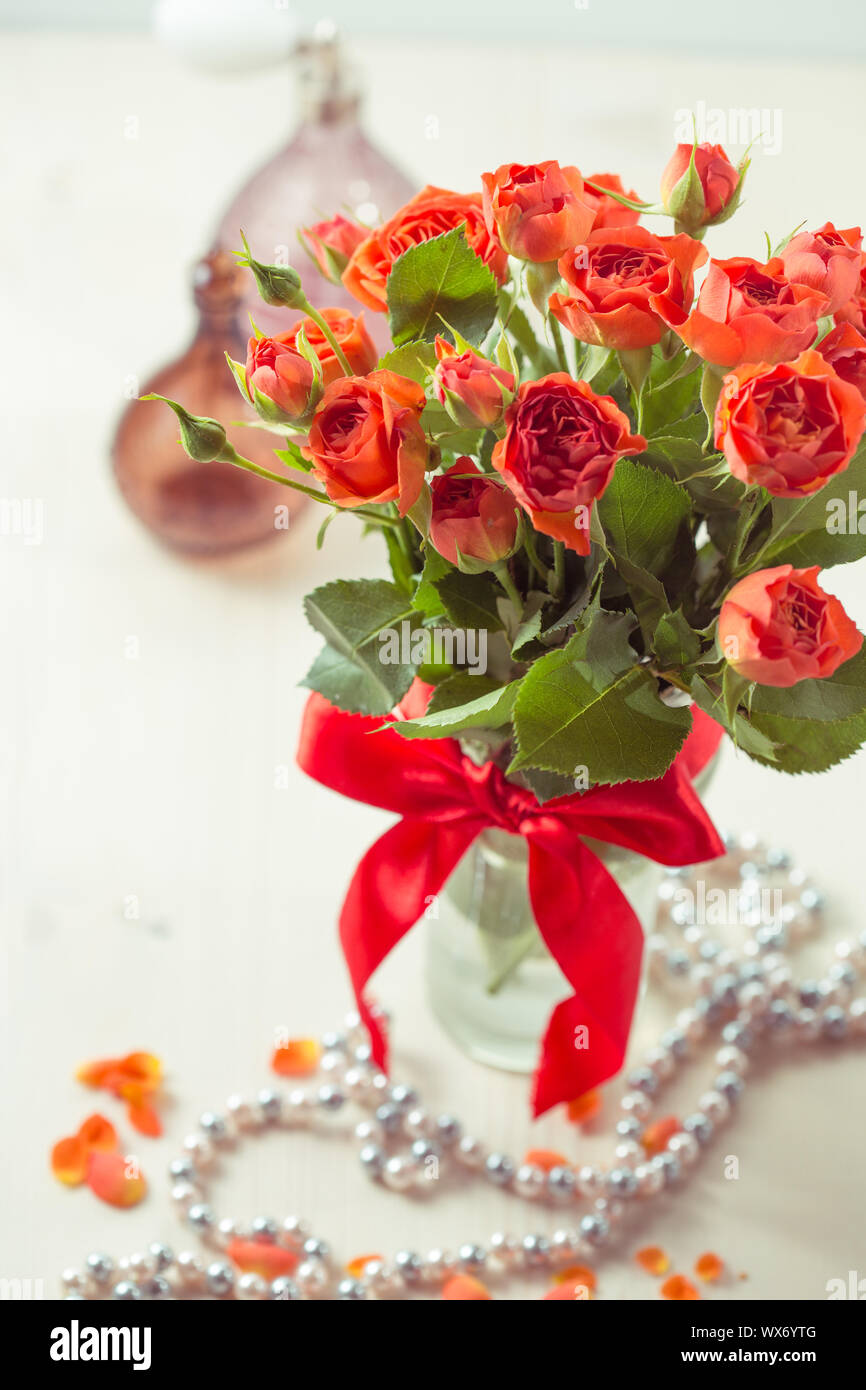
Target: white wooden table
x=152, y=782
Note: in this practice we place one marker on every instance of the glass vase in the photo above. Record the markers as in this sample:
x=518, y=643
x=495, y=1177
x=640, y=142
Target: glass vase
x=491, y=981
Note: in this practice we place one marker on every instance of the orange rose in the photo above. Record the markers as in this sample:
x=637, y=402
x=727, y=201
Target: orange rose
x=331, y=244
x=607, y=212
x=748, y=312
x=349, y=332
x=788, y=428
x=475, y=516
x=853, y=311
x=430, y=213
x=619, y=278
x=559, y=452
x=474, y=391
x=826, y=260
x=537, y=210
x=778, y=627
x=718, y=177
x=845, y=350
x=366, y=441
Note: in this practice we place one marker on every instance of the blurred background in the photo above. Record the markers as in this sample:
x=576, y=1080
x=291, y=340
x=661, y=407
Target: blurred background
x=169, y=880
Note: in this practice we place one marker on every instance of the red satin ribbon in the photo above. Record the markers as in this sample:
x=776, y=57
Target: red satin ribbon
x=444, y=801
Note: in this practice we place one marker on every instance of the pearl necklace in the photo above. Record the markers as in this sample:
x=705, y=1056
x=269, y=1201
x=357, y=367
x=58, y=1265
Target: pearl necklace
x=748, y=997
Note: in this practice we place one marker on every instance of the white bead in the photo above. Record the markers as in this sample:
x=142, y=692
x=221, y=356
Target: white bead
x=244, y=1115
x=754, y=999
x=505, y=1249
x=381, y=1279
x=857, y=1015
x=368, y=1132
x=685, y=1146
x=732, y=1059
x=692, y=1025
x=399, y=1173
x=293, y=1233
x=199, y=1149
x=418, y=1124
x=629, y=1151
x=141, y=1265
x=633, y=1103
x=227, y=1229
x=590, y=1180
x=715, y=1106
x=333, y=1063
x=311, y=1276
x=188, y=1270
x=650, y=1181
x=251, y=1286
x=298, y=1108
x=356, y=1083
x=470, y=1152
x=437, y=1266
x=184, y=1194
x=530, y=1182
x=74, y=1281
x=661, y=1062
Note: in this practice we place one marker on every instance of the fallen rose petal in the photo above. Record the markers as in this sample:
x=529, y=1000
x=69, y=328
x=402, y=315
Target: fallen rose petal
x=709, y=1267
x=115, y=1179
x=656, y=1136
x=653, y=1259
x=577, y=1274
x=584, y=1107
x=97, y=1133
x=94, y=1073
x=297, y=1057
x=262, y=1257
x=546, y=1159
x=463, y=1288
x=357, y=1266
x=69, y=1160
x=679, y=1289
x=144, y=1118
x=571, y=1291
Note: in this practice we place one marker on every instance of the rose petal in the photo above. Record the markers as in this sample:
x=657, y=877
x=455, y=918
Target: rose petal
x=577, y=1274
x=709, y=1266
x=357, y=1266
x=653, y=1259
x=584, y=1107
x=69, y=1160
x=261, y=1257
x=463, y=1288
x=572, y=1291
x=297, y=1057
x=546, y=1159
x=97, y=1133
x=679, y=1289
x=114, y=1178
x=94, y=1073
x=144, y=1118
x=656, y=1136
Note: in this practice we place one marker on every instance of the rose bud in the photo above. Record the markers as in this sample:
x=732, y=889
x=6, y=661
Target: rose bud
x=277, y=284
x=282, y=384
x=853, y=311
x=430, y=213
x=778, y=627
x=618, y=279
x=608, y=212
x=349, y=331
x=473, y=518
x=827, y=260
x=747, y=312
x=203, y=439
x=537, y=210
x=845, y=350
x=788, y=428
x=559, y=452
x=331, y=244
x=474, y=391
x=366, y=442
x=701, y=186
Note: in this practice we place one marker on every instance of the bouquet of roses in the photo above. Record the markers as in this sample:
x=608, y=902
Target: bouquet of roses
x=604, y=499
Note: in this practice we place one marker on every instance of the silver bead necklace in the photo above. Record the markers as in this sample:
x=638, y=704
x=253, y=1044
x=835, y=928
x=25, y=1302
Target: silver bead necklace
x=747, y=997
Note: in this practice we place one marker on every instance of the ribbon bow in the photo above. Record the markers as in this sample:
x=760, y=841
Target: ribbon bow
x=444, y=801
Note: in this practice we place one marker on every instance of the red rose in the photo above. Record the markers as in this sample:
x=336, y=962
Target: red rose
x=607, y=212
x=853, y=311
x=537, y=210
x=474, y=516
x=619, y=278
x=366, y=441
x=474, y=391
x=350, y=333
x=559, y=452
x=845, y=350
x=430, y=213
x=331, y=244
x=778, y=627
x=748, y=312
x=718, y=177
x=280, y=382
x=826, y=260
x=788, y=428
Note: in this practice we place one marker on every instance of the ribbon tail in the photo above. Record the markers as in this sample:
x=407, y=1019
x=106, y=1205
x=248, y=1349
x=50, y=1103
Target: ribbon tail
x=394, y=883
x=593, y=934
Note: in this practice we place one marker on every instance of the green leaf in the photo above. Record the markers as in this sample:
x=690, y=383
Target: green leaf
x=673, y=398
x=675, y=642
x=744, y=734
x=530, y=626
x=823, y=529
x=588, y=705
x=459, y=689
x=545, y=786
x=427, y=599
x=644, y=517
x=470, y=600
x=413, y=360
x=834, y=697
x=351, y=672
x=488, y=711
x=440, y=279
x=810, y=745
